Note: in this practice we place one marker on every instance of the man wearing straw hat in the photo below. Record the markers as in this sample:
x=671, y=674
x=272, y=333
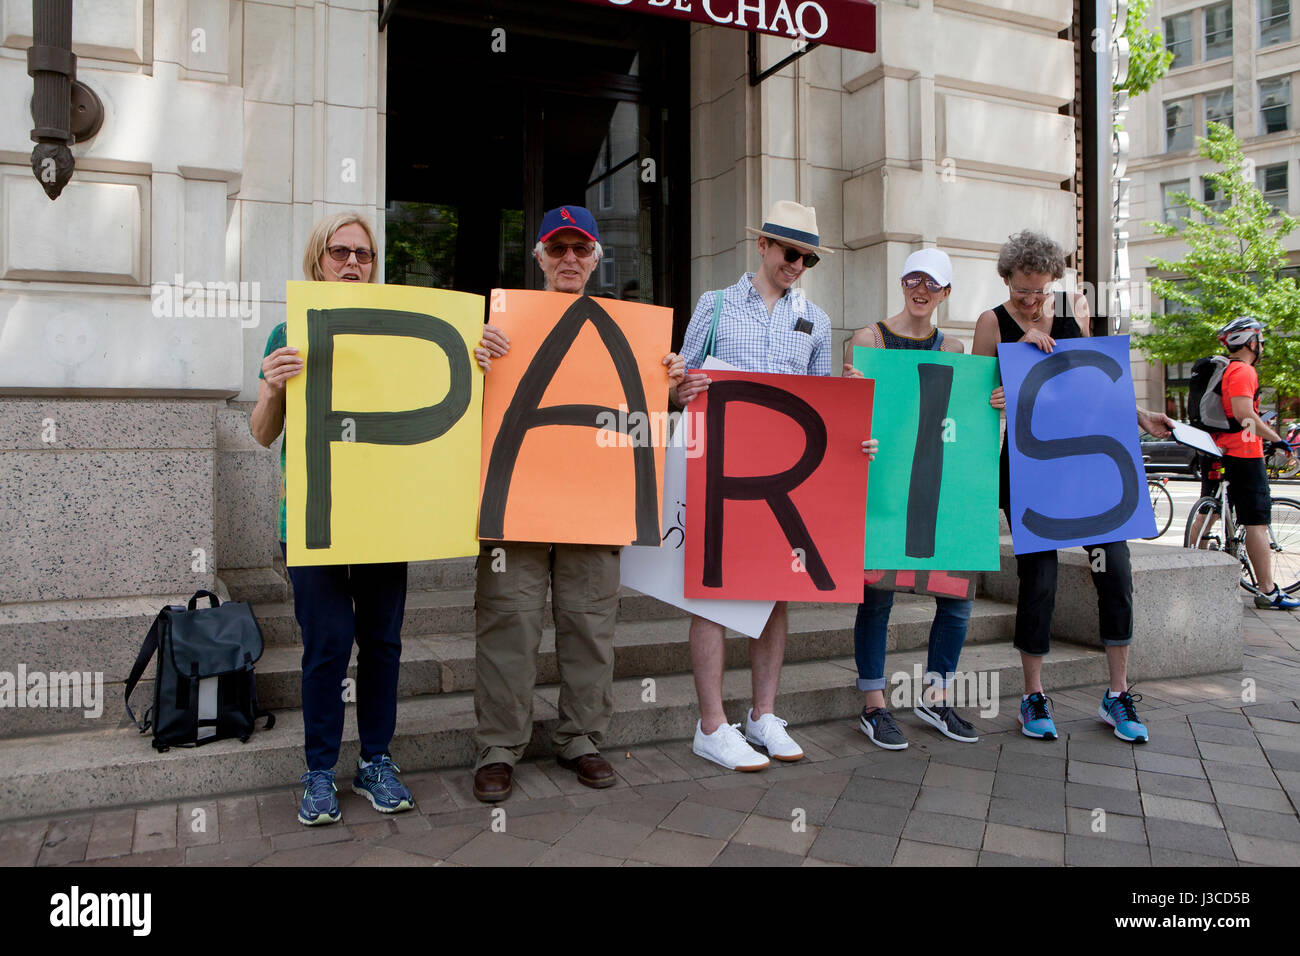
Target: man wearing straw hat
x=760, y=324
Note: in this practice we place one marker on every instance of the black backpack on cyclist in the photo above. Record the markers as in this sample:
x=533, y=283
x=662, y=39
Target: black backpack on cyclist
x=1205, y=396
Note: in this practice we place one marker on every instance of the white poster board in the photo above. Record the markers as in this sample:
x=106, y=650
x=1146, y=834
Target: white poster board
x=660, y=572
x=1193, y=437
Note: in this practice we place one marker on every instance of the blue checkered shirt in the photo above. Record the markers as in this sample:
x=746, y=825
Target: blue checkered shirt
x=751, y=338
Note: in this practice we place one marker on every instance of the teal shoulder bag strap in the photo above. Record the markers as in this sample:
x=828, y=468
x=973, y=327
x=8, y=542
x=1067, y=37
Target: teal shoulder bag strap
x=711, y=340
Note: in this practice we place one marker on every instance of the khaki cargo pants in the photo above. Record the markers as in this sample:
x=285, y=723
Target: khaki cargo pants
x=584, y=582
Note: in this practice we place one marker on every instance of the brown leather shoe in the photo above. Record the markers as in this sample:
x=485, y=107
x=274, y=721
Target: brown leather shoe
x=593, y=770
x=492, y=782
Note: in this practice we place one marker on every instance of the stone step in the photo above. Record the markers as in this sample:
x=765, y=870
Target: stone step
x=444, y=663
x=53, y=774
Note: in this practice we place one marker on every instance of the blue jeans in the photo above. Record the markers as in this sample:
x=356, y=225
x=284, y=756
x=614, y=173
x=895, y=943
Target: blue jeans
x=947, y=635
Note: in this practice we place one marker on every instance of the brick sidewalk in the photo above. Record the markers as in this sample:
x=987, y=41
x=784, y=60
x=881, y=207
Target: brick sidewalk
x=1218, y=785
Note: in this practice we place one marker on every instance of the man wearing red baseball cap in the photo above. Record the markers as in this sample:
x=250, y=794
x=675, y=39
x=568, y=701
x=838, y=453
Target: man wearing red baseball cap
x=583, y=580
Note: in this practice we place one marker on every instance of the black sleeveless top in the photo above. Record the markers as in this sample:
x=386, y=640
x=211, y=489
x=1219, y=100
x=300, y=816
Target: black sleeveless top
x=892, y=340
x=1063, y=327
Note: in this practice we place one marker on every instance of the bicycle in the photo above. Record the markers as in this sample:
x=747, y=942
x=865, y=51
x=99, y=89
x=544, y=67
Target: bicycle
x=1283, y=537
x=1162, y=504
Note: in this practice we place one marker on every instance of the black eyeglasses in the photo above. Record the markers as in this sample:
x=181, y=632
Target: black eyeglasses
x=792, y=254
x=911, y=282
x=341, y=253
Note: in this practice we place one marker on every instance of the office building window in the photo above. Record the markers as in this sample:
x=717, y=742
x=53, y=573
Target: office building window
x=1218, y=108
x=1274, y=22
x=1218, y=31
x=608, y=273
x=1178, y=39
x=1275, y=105
x=1272, y=182
x=1213, y=197
x=1178, y=125
x=1175, y=205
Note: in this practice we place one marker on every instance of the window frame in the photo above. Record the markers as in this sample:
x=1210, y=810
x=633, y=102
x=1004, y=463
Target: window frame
x=1266, y=21
x=1261, y=179
x=1232, y=106
x=1174, y=186
x=1191, y=48
x=1189, y=125
x=1285, y=82
x=1205, y=31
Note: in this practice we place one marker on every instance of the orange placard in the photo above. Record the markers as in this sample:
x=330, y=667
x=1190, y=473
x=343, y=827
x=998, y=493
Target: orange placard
x=575, y=420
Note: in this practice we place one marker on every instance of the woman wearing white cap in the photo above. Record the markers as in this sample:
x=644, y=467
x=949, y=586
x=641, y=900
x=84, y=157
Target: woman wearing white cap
x=926, y=281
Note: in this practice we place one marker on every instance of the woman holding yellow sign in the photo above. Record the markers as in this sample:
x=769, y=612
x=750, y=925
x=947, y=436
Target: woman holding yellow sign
x=337, y=604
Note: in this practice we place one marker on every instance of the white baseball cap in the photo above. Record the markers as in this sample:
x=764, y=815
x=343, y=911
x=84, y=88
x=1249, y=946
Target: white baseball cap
x=933, y=262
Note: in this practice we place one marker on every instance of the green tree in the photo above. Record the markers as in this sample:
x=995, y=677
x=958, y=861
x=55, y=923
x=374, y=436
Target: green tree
x=1148, y=60
x=1232, y=267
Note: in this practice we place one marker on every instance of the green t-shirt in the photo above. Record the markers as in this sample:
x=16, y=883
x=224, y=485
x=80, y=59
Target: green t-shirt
x=278, y=340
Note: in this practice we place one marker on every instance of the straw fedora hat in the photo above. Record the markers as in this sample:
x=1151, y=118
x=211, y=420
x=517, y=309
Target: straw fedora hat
x=793, y=224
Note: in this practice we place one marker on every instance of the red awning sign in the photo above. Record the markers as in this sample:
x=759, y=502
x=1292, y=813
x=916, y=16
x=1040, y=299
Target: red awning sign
x=850, y=24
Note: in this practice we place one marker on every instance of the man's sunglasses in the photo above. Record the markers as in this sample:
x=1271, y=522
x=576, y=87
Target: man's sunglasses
x=911, y=282
x=341, y=253
x=558, y=250
x=792, y=254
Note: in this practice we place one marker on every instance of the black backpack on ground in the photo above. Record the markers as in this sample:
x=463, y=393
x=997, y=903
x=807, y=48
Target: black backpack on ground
x=204, y=686
x=1205, y=396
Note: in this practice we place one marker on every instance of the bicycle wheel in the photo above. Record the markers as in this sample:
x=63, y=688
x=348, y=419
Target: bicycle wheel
x=1162, y=505
x=1202, y=525
x=1290, y=469
x=1285, y=534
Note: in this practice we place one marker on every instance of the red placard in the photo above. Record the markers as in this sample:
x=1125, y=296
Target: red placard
x=776, y=499
x=850, y=24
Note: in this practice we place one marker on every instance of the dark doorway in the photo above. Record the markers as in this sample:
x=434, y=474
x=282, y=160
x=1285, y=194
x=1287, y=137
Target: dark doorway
x=499, y=110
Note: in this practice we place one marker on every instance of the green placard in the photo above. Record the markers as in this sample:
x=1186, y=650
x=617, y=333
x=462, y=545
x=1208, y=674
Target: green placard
x=932, y=498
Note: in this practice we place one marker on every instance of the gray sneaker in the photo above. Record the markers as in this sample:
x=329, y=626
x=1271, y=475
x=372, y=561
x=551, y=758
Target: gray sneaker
x=946, y=721
x=878, y=724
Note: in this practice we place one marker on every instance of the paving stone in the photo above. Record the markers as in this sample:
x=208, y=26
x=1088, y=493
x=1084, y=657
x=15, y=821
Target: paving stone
x=1164, y=743
x=1251, y=848
x=278, y=812
x=894, y=766
x=743, y=799
x=65, y=841
x=812, y=861
x=853, y=815
x=1251, y=756
x=958, y=778
x=1004, y=859
x=379, y=830
x=559, y=856
x=648, y=813
x=1173, y=785
x=1162, y=856
x=739, y=854
x=716, y=823
x=498, y=849
x=672, y=848
x=198, y=824
x=20, y=843
x=658, y=763
x=333, y=854
x=111, y=834
x=544, y=827
x=854, y=847
x=1288, y=711
x=958, y=803
x=237, y=818
x=1023, y=842
x=1100, y=775
x=1112, y=753
x=772, y=834
x=1035, y=816
x=154, y=858
x=782, y=805
x=431, y=794
x=1188, y=837
x=943, y=829
x=975, y=756
x=825, y=784
x=674, y=791
x=1220, y=718
x=386, y=856
x=1170, y=764
x=244, y=852
x=891, y=793
x=155, y=829
x=931, y=854
x=1118, y=826
x=1185, y=811
x=1283, y=759
x=438, y=843
x=1035, y=790
x=1232, y=736
x=1031, y=765
x=1275, y=826
x=311, y=836
x=607, y=837
x=1083, y=850
x=1289, y=741
x=1241, y=773
x=1257, y=798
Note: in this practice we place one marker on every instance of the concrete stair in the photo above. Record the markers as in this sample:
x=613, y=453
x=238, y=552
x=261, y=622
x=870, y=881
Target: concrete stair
x=53, y=764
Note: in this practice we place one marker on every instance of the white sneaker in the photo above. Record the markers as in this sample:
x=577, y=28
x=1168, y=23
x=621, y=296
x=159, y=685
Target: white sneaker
x=769, y=732
x=727, y=748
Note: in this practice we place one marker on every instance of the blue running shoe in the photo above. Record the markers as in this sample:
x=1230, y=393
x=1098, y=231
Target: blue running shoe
x=1120, y=713
x=1276, y=599
x=1036, y=717
x=378, y=783
x=320, y=802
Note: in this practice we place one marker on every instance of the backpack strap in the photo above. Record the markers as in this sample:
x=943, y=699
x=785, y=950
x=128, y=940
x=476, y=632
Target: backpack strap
x=141, y=662
x=711, y=340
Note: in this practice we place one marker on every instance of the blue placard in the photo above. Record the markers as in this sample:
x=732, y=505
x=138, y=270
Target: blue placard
x=1077, y=476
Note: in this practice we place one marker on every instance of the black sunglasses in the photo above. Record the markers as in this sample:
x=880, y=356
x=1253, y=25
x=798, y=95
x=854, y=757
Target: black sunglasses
x=810, y=259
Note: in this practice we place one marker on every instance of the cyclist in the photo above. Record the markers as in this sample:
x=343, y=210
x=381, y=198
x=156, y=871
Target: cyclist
x=1244, y=452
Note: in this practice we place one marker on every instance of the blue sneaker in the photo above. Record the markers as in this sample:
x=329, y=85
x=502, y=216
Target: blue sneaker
x=1120, y=713
x=1036, y=717
x=320, y=802
x=1277, y=599
x=378, y=783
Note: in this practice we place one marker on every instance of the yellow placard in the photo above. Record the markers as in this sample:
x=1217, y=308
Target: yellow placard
x=383, y=427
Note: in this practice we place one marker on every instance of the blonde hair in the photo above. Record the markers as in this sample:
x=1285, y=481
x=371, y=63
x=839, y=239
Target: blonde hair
x=323, y=232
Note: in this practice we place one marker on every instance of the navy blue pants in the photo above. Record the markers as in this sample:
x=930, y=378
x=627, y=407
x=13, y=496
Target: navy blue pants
x=334, y=605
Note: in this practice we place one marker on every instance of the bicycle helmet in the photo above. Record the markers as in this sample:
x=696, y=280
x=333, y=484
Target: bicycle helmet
x=1240, y=331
